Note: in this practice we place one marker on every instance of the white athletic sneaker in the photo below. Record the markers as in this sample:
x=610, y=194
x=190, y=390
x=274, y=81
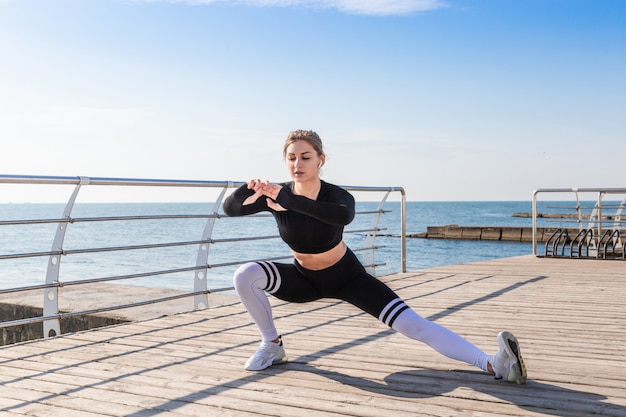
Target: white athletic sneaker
x=507, y=362
x=268, y=354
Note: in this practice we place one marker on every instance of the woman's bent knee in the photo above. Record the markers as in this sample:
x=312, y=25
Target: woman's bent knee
x=247, y=274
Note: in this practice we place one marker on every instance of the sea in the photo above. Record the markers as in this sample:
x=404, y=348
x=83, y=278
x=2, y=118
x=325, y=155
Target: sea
x=90, y=245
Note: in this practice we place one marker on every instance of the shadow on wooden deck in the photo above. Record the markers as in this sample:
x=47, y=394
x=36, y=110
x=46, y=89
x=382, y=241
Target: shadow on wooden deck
x=567, y=314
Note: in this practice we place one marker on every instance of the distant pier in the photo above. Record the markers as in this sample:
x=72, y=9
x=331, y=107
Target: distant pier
x=502, y=233
x=563, y=216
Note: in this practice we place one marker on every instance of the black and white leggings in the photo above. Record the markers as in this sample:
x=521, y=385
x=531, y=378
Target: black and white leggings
x=346, y=280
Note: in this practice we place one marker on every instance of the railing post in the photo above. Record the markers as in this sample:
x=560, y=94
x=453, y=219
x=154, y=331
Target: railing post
x=368, y=256
x=579, y=211
x=52, y=327
x=534, y=208
x=200, y=283
x=600, y=195
x=618, y=214
x=403, y=231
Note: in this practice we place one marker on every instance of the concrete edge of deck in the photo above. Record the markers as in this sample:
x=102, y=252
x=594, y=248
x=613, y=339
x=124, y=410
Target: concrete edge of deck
x=26, y=304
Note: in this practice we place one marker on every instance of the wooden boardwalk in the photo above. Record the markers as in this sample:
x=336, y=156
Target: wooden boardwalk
x=569, y=316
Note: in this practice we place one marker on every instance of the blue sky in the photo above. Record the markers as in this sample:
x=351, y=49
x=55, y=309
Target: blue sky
x=453, y=100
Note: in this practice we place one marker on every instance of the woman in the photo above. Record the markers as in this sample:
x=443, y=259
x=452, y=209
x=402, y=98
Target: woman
x=311, y=215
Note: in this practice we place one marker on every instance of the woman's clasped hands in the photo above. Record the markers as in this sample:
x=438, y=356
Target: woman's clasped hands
x=267, y=189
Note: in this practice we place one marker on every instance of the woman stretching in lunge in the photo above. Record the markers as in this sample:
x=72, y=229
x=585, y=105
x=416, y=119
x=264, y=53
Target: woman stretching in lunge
x=311, y=215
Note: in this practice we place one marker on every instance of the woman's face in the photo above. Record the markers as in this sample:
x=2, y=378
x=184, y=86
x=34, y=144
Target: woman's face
x=303, y=162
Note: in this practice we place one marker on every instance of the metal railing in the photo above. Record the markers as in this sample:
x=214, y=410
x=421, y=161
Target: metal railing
x=602, y=237
x=200, y=269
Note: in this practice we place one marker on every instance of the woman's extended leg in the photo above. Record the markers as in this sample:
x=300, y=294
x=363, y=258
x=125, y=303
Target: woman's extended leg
x=376, y=298
x=403, y=319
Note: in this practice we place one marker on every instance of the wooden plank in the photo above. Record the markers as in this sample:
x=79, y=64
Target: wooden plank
x=568, y=315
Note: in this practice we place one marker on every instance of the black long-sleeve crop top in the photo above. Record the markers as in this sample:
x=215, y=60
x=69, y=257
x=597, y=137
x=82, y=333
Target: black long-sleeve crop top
x=307, y=226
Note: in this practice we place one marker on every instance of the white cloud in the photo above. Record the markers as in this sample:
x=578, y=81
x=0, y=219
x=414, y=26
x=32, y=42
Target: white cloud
x=384, y=7
x=362, y=7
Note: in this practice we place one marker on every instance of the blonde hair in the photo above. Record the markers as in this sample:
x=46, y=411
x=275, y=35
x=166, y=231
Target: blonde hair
x=308, y=136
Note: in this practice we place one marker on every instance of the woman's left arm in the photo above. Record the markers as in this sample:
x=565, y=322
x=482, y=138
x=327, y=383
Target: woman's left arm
x=338, y=211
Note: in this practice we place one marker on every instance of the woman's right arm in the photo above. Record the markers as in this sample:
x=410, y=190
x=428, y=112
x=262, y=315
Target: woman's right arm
x=244, y=201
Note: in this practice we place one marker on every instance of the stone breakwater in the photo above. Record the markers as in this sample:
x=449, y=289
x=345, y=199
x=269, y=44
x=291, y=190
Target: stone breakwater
x=504, y=233
x=564, y=216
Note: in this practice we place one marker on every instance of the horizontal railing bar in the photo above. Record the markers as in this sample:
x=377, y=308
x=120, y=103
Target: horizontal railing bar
x=374, y=264
x=106, y=249
x=102, y=279
x=263, y=214
x=60, y=180
x=144, y=217
x=35, y=221
x=157, y=245
x=276, y=258
x=581, y=190
x=75, y=180
x=111, y=218
x=28, y=288
x=369, y=248
x=371, y=188
x=245, y=239
x=133, y=276
x=234, y=263
x=135, y=247
x=25, y=321
x=374, y=212
x=376, y=229
x=29, y=255
x=214, y=290
x=585, y=220
x=604, y=206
